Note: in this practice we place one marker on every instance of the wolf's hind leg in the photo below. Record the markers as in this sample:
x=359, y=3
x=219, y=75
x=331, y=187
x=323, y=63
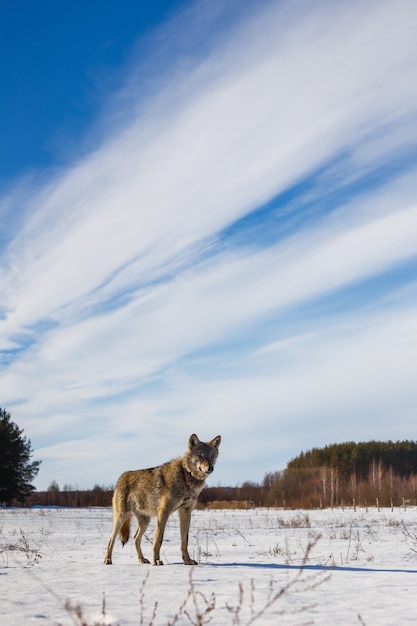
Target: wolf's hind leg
x=119, y=520
x=143, y=523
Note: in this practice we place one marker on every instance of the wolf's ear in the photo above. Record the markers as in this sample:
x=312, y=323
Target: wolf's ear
x=216, y=441
x=193, y=442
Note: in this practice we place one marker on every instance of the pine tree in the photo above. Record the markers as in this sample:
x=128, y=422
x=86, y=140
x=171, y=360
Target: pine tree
x=16, y=469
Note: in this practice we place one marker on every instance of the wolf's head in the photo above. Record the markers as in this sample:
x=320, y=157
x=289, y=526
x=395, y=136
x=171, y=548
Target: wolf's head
x=201, y=456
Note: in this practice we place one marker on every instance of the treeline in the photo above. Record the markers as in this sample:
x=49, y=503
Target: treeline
x=362, y=459
x=373, y=472
x=360, y=474
x=71, y=496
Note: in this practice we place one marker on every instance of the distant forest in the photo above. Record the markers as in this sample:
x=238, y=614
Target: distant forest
x=360, y=474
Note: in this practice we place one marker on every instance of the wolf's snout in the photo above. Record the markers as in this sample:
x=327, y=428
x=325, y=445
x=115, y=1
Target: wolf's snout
x=210, y=469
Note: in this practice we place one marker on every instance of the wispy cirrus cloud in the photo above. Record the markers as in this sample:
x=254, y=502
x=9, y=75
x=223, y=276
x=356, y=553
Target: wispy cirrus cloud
x=271, y=172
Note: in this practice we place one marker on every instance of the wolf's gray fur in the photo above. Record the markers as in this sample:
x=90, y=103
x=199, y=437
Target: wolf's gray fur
x=173, y=486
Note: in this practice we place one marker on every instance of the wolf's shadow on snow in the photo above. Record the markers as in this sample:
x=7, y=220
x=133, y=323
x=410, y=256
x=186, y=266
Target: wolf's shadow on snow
x=315, y=568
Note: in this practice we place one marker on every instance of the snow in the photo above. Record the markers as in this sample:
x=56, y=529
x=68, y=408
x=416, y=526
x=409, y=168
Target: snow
x=362, y=569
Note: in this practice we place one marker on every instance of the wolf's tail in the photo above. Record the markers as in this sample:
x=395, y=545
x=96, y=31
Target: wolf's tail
x=124, y=532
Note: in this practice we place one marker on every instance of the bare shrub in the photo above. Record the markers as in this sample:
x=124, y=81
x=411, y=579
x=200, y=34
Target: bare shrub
x=300, y=582
x=142, y=605
x=206, y=546
x=282, y=552
x=300, y=520
x=201, y=609
x=21, y=546
x=411, y=537
x=75, y=611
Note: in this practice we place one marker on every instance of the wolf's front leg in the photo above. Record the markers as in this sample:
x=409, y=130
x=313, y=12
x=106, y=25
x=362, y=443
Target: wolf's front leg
x=185, y=518
x=161, y=521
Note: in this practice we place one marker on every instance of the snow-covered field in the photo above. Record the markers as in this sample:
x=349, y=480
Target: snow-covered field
x=257, y=566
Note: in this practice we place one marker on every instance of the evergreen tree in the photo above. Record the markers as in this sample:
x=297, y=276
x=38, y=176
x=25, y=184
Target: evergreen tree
x=16, y=469
x=359, y=458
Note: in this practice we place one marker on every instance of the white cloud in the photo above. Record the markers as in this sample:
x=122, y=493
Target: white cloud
x=112, y=353
x=227, y=147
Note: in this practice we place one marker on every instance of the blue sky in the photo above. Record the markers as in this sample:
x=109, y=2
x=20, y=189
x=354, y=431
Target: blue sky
x=208, y=223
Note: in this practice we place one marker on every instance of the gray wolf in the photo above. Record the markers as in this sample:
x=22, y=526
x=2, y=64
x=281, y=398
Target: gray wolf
x=173, y=486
